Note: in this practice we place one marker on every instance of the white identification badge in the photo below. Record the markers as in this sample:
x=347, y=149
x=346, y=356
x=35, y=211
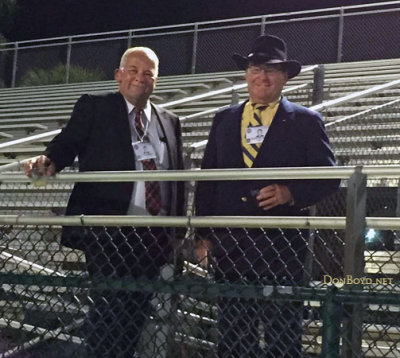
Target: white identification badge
x=144, y=151
x=256, y=134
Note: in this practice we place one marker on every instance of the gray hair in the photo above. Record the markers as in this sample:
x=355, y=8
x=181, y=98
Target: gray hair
x=143, y=50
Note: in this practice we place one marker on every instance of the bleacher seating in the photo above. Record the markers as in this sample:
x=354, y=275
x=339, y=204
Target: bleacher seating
x=355, y=138
x=35, y=110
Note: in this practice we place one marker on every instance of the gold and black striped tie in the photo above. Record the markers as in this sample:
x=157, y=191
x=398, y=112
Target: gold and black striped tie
x=250, y=151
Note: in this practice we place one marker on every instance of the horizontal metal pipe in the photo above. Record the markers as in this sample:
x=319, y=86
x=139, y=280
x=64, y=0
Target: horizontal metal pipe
x=303, y=222
x=171, y=104
x=249, y=18
x=300, y=222
x=342, y=172
x=354, y=95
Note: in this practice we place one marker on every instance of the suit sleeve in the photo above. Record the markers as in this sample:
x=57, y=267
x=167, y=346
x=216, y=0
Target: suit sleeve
x=63, y=149
x=205, y=189
x=319, y=153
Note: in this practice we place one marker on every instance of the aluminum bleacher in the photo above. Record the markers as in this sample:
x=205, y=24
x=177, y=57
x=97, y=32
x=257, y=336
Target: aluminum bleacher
x=35, y=110
x=362, y=130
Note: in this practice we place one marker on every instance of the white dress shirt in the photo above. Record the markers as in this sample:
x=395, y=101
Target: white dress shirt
x=153, y=133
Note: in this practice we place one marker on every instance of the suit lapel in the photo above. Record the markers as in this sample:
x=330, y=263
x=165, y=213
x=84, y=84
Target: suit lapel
x=235, y=149
x=166, y=134
x=122, y=125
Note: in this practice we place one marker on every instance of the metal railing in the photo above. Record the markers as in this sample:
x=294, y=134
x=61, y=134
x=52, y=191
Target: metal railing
x=339, y=304
x=201, y=42
x=322, y=106
x=169, y=105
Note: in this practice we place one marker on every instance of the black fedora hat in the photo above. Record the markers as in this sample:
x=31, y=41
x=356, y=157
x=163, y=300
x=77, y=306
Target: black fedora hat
x=269, y=49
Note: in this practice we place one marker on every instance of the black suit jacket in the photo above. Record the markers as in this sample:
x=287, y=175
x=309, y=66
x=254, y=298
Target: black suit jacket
x=99, y=134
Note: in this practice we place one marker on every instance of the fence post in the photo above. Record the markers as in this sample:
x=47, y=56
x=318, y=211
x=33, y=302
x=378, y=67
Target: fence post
x=396, y=242
x=68, y=64
x=263, y=23
x=318, y=85
x=235, y=98
x=340, y=36
x=14, y=68
x=331, y=319
x=354, y=259
x=130, y=36
x=194, y=52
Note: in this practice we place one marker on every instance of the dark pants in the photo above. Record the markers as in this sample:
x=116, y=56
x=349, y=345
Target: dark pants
x=117, y=317
x=115, y=323
x=253, y=329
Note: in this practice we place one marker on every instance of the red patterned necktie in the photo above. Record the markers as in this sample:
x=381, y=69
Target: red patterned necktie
x=152, y=188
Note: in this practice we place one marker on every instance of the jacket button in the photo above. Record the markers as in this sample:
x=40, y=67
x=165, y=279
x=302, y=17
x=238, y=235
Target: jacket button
x=244, y=198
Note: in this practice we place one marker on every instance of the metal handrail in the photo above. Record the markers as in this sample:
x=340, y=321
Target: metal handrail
x=355, y=95
x=364, y=112
x=328, y=104
x=200, y=23
x=23, y=263
x=202, y=144
x=15, y=165
x=44, y=334
x=285, y=222
x=340, y=172
x=241, y=86
x=226, y=90
x=209, y=94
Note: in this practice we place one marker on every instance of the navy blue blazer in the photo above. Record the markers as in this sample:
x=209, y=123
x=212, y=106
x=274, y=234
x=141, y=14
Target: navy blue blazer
x=296, y=138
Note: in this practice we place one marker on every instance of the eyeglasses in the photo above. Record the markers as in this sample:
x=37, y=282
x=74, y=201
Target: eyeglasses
x=268, y=69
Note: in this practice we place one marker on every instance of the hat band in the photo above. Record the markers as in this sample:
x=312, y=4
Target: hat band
x=278, y=55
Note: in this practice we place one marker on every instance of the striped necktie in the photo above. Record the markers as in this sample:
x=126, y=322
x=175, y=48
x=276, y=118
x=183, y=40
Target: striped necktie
x=250, y=151
x=152, y=188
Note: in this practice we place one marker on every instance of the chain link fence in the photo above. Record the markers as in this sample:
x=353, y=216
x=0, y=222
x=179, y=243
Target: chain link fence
x=319, y=36
x=138, y=284
x=51, y=308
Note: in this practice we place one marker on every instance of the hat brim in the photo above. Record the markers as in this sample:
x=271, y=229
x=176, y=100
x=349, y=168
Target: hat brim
x=292, y=67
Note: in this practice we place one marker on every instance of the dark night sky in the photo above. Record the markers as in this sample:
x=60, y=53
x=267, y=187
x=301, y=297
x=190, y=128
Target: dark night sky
x=49, y=18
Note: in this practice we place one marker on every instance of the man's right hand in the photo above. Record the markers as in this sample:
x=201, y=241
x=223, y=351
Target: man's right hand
x=41, y=166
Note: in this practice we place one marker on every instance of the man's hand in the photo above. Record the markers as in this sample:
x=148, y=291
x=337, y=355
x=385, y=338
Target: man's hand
x=274, y=195
x=41, y=166
x=201, y=251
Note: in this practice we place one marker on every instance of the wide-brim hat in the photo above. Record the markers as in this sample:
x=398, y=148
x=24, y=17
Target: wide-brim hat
x=269, y=49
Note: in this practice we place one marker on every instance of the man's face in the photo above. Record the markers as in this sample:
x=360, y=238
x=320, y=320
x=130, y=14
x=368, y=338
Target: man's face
x=265, y=82
x=137, y=78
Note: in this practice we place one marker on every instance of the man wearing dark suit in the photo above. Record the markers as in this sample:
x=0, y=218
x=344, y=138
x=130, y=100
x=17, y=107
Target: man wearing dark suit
x=116, y=132
x=293, y=136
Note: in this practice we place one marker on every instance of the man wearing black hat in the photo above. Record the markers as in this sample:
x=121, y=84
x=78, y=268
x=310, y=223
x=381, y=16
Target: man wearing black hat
x=292, y=136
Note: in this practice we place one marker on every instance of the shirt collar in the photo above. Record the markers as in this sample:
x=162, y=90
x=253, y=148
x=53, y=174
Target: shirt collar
x=146, y=109
x=270, y=105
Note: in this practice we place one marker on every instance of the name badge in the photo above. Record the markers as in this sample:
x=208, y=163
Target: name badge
x=144, y=151
x=256, y=134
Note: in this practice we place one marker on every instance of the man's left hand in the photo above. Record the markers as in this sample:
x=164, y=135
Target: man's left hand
x=274, y=195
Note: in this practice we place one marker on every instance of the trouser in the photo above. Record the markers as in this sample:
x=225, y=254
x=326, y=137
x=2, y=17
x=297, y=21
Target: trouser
x=251, y=329
x=117, y=316
x=115, y=323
